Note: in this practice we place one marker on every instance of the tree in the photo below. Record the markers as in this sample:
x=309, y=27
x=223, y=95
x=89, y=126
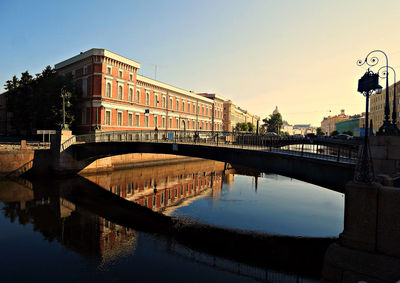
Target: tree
x=319, y=132
x=251, y=127
x=243, y=127
x=36, y=102
x=273, y=123
x=334, y=133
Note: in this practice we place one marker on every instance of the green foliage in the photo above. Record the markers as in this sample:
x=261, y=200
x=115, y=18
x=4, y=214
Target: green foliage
x=334, y=133
x=350, y=133
x=285, y=134
x=245, y=127
x=319, y=132
x=36, y=102
x=251, y=127
x=273, y=123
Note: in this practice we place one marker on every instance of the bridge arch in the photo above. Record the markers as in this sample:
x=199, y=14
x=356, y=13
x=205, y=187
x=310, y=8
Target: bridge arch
x=326, y=173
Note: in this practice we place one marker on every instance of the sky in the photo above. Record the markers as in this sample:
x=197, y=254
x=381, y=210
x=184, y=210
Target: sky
x=299, y=55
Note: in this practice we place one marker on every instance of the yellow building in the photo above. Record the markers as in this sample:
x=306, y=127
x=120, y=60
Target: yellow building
x=377, y=107
x=234, y=114
x=328, y=123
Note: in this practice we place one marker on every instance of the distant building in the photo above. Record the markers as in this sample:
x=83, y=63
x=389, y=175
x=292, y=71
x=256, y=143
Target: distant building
x=234, y=114
x=355, y=125
x=303, y=129
x=328, y=123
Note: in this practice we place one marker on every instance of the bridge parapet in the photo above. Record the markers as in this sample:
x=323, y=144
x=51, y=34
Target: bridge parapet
x=74, y=153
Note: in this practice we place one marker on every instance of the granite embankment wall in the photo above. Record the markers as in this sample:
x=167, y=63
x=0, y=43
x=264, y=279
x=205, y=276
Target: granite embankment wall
x=14, y=160
x=18, y=161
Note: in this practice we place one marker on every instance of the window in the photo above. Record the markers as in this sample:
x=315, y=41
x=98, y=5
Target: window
x=183, y=106
x=155, y=121
x=120, y=74
x=108, y=90
x=84, y=87
x=170, y=103
x=137, y=120
x=119, y=92
x=146, y=121
x=170, y=122
x=163, y=101
x=147, y=98
x=131, y=77
x=138, y=96
x=85, y=70
x=108, y=118
x=119, y=119
x=130, y=94
x=177, y=123
x=109, y=70
x=83, y=117
x=130, y=119
x=163, y=122
x=156, y=99
x=177, y=104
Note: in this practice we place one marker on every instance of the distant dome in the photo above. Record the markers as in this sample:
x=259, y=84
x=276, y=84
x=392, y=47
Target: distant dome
x=276, y=111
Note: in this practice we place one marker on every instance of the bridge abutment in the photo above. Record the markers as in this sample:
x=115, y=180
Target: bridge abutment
x=369, y=247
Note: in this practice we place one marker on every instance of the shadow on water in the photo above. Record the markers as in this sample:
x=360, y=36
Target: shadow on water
x=67, y=196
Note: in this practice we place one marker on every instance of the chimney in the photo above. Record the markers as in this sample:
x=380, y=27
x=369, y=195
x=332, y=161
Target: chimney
x=342, y=112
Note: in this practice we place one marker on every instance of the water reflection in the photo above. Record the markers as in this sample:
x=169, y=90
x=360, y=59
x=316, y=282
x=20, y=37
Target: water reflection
x=232, y=197
x=164, y=188
x=110, y=236
x=59, y=219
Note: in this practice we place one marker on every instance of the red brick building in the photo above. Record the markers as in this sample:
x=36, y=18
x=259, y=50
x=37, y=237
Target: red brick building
x=115, y=97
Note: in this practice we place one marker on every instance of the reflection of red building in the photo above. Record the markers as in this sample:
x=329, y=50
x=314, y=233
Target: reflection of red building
x=164, y=186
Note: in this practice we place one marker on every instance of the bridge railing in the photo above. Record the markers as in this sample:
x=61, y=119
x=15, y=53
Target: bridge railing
x=329, y=149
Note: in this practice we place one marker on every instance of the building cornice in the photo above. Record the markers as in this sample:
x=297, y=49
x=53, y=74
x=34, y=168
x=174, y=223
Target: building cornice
x=97, y=52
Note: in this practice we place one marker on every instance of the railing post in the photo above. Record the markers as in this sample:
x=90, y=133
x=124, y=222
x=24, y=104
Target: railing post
x=302, y=149
x=338, y=154
x=217, y=139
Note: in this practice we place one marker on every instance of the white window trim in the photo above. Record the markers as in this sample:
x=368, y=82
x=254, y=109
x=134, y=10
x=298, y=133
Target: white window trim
x=130, y=113
x=118, y=85
x=130, y=88
x=108, y=66
x=105, y=117
x=122, y=117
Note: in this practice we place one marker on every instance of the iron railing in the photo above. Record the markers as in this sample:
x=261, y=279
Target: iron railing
x=320, y=148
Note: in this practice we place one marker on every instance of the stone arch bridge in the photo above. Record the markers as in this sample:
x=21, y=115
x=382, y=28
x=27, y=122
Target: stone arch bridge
x=326, y=162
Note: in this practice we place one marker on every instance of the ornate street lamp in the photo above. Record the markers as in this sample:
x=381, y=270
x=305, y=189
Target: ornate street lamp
x=65, y=95
x=387, y=128
x=364, y=170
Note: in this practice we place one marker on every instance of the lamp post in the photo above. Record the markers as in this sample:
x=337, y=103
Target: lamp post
x=364, y=171
x=387, y=128
x=65, y=95
x=384, y=74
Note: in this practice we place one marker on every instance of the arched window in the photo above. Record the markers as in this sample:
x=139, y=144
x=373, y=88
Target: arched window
x=138, y=96
x=147, y=98
x=130, y=94
x=120, y=92
x=108, y=90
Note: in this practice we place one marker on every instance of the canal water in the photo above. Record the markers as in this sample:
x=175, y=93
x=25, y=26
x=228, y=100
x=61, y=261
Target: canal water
x=46, y=235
